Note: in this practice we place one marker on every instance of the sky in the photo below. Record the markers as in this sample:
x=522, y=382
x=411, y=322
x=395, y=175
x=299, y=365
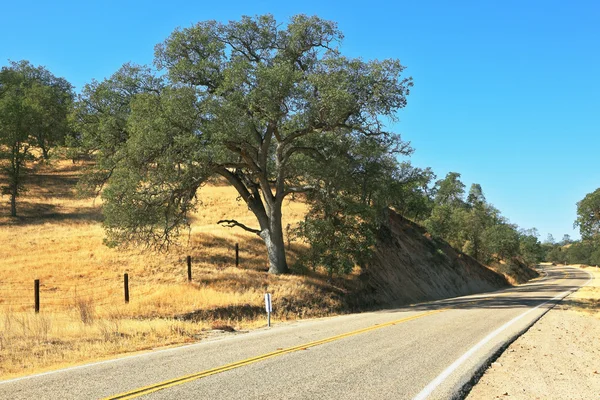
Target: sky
x=506, y=93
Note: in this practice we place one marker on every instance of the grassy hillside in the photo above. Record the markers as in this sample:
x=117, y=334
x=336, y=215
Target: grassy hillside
x=58, y=239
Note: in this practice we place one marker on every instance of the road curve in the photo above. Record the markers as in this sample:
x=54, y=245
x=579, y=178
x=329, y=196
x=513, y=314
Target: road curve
x=425, y=351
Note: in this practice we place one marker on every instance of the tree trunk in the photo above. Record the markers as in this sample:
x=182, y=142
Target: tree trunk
x=14, y=171
x=13, y=202
x=273, y=237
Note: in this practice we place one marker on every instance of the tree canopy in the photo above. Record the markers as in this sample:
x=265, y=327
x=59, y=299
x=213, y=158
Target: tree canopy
x=34, y=110
x=273, y=110
x=475, y=226
x=588, y=215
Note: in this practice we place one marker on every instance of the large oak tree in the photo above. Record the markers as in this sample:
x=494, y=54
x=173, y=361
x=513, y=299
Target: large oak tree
x=273, y=110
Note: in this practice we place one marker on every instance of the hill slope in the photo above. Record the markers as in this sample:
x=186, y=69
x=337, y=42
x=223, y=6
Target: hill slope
x=411, y=266
x=58, y=240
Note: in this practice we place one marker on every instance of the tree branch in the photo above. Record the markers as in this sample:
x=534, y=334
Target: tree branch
x=231, y=223
x=311, y=151
x=298, y=189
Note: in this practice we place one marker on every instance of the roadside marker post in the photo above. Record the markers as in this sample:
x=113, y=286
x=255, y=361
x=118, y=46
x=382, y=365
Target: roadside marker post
x=36, y=295
x=269, y=308
x=237, y=255
x=189, y=268
x=126, y=286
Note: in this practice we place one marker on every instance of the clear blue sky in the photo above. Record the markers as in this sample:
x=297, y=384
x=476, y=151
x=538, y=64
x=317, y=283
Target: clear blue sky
x=507, y=93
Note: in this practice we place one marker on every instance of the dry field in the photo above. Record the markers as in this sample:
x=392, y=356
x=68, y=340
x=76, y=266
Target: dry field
x=58, y=240
x=586, y=301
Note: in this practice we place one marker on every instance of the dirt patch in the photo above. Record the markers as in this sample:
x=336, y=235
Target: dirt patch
x=558, y=358
x=411, y=266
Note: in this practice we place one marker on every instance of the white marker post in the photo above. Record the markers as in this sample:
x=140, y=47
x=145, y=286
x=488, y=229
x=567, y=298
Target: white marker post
x=269, y=308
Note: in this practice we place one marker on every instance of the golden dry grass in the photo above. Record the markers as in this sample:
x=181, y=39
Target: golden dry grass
x=587, y=299
x=58, y=240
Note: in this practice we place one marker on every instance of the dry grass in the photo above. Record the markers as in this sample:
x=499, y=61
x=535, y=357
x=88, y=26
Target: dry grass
x=587, y=299
x=58, y=239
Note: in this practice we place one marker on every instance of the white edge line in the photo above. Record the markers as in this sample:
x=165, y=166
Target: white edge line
x=428, y=390
x=121, y=359
x=152, y=352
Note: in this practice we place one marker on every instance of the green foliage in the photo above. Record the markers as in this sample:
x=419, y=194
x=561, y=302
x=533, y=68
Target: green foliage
x=588, y=215
x=586, y=251
x=502, y=240
x=476, y=227
x=272, y=109
x=412, y=193
x=350, y=197
x=450, y=190
x=530, y=248
x=339, y=235
x=101, y=115
x=34, y=106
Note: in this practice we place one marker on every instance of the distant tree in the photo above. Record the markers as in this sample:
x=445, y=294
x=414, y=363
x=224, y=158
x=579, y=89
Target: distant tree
x=502, y=240
x=558, y=254
x=588, y=215
x=566, y=239
x=273, y=110
x=450, y=190
x=475, y=195
x=447, y=217
x=580, y=252
x=550, y=239
x=595, y=256
x=413, y=195
x=102, y=115
x=34, y=108
x=479, y=217
x=530, y=247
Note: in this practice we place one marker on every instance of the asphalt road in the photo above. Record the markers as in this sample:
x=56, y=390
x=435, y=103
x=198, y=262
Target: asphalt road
x=430, y=350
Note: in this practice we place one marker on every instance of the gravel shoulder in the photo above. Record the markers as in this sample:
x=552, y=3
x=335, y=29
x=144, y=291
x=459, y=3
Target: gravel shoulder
x=558, y=358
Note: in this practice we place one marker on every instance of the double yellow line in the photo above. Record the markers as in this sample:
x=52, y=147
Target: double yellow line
x=199, y=375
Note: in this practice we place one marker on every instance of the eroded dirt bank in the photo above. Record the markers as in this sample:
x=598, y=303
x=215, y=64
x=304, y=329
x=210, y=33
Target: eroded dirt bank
x=410, y=266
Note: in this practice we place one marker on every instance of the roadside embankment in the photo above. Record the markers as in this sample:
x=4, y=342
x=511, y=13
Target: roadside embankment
x=558, y=358
x=411, y=266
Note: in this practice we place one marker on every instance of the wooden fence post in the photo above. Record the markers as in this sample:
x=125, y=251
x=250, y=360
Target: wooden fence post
x=237, y=255
x=189, y=265
x=126, y=287
x=36, y=291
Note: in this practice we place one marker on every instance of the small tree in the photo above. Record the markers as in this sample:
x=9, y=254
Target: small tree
x=502, y=240
x=34, y=105
x=530, y=247
x=588, y=215
x=450, y=190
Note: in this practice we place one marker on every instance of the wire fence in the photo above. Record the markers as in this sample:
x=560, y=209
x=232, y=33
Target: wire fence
x=54, y=296
x=51, y=295
x=41, y=295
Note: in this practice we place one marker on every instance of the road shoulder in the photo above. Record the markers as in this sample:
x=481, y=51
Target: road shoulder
x=558, y=358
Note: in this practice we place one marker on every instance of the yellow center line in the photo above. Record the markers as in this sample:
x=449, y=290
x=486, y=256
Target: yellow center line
x=198, y=375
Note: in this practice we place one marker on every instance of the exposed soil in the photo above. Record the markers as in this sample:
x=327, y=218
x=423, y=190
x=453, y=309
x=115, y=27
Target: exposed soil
x=558, y=358
x=410, y=266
